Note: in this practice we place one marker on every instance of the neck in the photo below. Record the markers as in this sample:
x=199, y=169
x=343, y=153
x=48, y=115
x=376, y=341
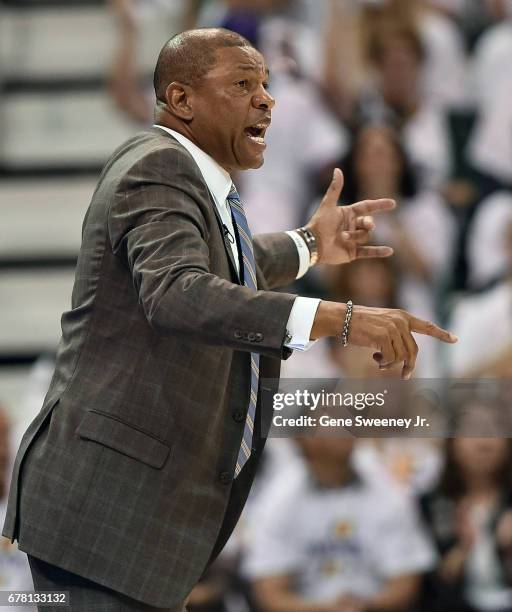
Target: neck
x=330, y=474
x=481, y=489
x=178, y=126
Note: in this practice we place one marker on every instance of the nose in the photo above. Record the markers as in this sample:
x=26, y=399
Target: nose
x=263, y=100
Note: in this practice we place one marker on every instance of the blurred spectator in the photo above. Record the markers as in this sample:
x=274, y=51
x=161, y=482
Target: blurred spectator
x=5, y=459
x=443, y=74
x=490, y=146
x=395, y=70
x=397, y=54
x=421, y=230
x=329, y=541
x=442, y=78
x=364, y=282
x=490, y=60
x=489, y=241
x=279, y=28
x=411, y=464
x=484, y=349
x=14, y=569
x=470, y=517
x=129, y=89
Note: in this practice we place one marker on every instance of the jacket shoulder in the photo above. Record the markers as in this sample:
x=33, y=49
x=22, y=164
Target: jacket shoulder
x=150, y=157
x=160, y=152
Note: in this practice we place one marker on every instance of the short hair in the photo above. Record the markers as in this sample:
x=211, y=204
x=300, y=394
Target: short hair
x=189, y=56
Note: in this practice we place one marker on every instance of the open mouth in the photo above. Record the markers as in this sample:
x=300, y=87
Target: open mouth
x=256, y=133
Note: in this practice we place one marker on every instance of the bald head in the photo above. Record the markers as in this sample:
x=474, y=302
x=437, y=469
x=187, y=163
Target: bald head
x=189, y=56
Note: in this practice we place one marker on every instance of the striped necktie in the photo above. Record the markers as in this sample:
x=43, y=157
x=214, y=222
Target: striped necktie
x=248, y=273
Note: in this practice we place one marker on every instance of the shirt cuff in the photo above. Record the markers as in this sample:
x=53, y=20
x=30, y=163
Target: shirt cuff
x=300, y=323
x=302, y=249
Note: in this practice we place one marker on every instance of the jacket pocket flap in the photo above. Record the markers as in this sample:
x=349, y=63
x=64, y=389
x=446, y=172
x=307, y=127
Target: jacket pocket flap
x=124, y=438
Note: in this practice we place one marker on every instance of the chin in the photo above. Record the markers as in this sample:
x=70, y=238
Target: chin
x=247, y=162
x=256, y=163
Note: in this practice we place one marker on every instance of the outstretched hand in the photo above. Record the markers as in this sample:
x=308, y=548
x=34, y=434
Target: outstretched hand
x=342, y=232
x=389, y=332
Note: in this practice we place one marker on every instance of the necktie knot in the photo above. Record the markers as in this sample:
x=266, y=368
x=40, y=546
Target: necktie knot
x=233, y=193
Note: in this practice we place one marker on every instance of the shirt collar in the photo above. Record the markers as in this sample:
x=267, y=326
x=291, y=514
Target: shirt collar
x=216, y=178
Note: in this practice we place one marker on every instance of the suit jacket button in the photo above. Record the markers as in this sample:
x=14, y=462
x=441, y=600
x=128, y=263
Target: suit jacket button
x=238, y=416
x=258, y=337
x=238, y=334
x=251, y=337
x=225, y=477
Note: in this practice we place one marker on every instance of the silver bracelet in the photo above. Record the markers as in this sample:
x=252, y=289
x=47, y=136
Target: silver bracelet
x=346, y=324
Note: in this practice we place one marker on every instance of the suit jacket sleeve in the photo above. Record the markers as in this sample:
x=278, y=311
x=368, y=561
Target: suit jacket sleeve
x=159, y=223
x=277, y=257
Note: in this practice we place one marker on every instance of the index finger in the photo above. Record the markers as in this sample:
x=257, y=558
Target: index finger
x=369, y=207
x=427, y=328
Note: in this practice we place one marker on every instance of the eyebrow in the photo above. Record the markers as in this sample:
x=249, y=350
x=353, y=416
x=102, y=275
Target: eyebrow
x=248, y=67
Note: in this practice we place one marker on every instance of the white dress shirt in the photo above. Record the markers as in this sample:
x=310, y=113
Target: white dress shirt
x=219, y=183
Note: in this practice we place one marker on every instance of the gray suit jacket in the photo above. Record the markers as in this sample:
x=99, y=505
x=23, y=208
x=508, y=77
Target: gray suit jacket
x=125, y=476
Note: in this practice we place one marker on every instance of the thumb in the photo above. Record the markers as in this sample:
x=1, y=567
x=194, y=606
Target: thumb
x=332, y=195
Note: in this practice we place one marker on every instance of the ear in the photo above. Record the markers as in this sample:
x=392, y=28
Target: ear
x=178, y=102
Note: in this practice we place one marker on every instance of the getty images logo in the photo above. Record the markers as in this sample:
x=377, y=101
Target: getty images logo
x=313, y=400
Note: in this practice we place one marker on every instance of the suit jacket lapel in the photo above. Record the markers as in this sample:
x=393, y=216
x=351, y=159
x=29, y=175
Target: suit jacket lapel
x=227, y=245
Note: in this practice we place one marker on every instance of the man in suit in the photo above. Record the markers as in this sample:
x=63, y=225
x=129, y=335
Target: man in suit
x=130, y=480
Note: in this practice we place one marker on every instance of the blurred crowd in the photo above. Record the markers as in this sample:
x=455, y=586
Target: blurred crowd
x=412, y=99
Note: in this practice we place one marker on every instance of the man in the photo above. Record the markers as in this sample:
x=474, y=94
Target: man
x=130, y=480
x=329, y=540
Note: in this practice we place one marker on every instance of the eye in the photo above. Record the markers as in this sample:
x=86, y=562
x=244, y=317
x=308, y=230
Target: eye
x=266, y=85
x=242, y=84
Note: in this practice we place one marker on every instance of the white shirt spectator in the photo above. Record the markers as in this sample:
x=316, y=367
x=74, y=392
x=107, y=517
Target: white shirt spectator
x=445, y=69
x=426, y=140
x=487, y=249
x=490, y=62
x=490, y=146
x=336, y=541
x=474, y=322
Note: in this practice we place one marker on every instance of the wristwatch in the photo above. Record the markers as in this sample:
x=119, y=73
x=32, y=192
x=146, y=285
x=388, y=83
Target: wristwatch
x=310, y=240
